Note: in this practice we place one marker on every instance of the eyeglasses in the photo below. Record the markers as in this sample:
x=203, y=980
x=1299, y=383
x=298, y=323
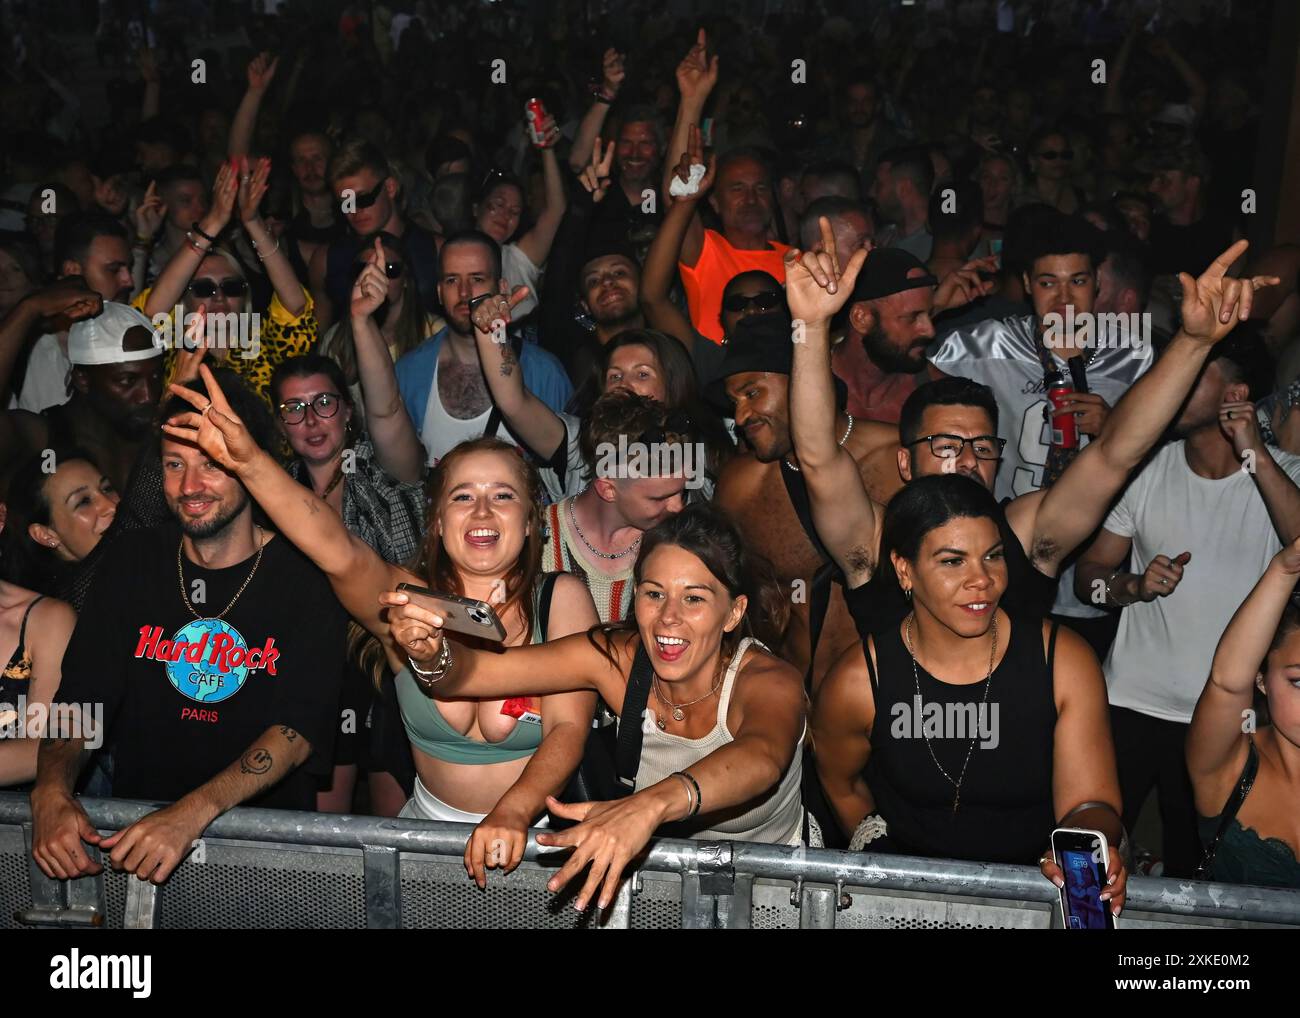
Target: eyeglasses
x=949, y=447
x=393, y=270
x=324, y=406
x=768, y=300
x=1052, y=154
x=207, y=288
x=365, y=199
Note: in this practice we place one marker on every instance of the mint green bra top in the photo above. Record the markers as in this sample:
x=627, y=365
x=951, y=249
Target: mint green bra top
x=429, y=732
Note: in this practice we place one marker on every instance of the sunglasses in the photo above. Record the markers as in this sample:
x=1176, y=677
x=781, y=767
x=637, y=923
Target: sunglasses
x=207, y=288
x=324, y=406
x=365, y=199
x=393, y=270
x=768, y=300
x=1052, y=154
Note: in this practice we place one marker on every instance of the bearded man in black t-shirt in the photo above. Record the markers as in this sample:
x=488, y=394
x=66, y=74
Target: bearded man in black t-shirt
x=216, y=651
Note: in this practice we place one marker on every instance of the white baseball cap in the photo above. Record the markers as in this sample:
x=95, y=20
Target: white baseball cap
x=99, y=340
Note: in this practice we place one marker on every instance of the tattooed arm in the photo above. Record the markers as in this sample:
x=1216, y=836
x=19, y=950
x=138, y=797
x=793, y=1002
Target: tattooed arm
x=527, y=416
x=155, y=844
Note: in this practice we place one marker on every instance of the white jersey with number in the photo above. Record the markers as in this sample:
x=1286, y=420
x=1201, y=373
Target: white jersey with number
x=1002, y=354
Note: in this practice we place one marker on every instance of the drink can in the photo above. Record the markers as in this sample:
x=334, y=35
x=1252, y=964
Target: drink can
x=536, y=114
x=1065, y=429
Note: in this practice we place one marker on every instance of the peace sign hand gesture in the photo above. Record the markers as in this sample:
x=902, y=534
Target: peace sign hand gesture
x=213, y=426
x=1215, y=302
x=595, y=176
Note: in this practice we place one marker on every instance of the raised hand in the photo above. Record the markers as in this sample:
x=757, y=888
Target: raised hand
x=550, y=134
x=252, y=187
x=1215, y=302
x=371, y=288
x=693, y=156
x=149, y=213
x=815, y=287
x=595, y=176
x=190, y=355
x=213, y=426
x=963, y=285
x=698, y=72
x=497, y=307
x=261, y=69
x=1162, y=576
x=67, y=300
x=225, y=189
x=614, y=73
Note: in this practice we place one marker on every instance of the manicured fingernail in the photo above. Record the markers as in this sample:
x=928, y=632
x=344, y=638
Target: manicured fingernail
x=1058, y=881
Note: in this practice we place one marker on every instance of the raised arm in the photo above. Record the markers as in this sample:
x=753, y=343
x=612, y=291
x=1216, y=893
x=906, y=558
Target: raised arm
x=180, y=269
x=846, y=518
x=357, y=574
x=1053, y=523
x=590, y=126
x=526, y=415
x=842, y=716
x=1280, y=494
x=261, y=69
x=697, y=75
x=274, y=259
x=397, y=446
x=536, y=243
x=666, y=248
x=149, y=102
x=60, y=303
x=1216, y=741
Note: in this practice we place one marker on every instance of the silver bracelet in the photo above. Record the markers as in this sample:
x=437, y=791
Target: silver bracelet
x=263, y=257
x=440, y=668
x=1111, y=597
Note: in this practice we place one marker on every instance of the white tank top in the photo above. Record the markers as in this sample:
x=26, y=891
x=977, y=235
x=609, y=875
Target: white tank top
x=777, y=818
x=442, y=432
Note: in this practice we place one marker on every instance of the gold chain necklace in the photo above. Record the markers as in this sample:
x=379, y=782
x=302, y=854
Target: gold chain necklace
x=988, y=682
x=180, y=575
x=679, y=714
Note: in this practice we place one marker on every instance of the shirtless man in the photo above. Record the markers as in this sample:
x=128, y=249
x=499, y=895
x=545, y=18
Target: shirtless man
x=758, y=487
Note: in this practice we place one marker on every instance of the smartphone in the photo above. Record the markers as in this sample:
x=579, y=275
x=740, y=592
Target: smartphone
x=1084, y=860
x=459, y=614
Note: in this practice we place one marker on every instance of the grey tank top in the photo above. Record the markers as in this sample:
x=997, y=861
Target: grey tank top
x=776, y=818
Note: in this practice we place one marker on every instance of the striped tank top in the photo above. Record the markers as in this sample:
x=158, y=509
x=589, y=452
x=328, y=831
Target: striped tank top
x=565, y=552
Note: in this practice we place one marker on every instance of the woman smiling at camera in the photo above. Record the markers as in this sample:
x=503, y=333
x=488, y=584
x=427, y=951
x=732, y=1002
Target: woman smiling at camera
x=966, y=731
x=488, y=760
x=724, y=719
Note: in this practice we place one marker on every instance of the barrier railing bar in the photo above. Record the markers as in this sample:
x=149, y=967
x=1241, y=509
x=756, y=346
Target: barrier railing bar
x=141, y=912
x=813, y=866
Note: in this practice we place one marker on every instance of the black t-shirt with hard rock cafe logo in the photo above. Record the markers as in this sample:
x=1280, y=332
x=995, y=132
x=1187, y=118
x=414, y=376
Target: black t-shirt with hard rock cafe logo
x=185, y=697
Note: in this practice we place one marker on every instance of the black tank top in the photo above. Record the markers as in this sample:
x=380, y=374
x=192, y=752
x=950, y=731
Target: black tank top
x=1006, y=812
x=879, y=604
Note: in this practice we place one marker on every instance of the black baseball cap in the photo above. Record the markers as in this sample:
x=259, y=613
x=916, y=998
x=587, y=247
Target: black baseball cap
x=758, y=343
x=890, y=270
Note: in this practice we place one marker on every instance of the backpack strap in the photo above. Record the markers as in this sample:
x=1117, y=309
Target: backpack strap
x=627, y=755
x=819, y=598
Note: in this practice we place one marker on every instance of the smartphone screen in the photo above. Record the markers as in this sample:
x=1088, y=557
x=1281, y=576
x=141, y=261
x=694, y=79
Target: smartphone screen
x=1084, y=879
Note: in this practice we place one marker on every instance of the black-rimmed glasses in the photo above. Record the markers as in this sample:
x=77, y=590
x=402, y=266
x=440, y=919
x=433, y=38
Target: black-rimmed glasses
x=324, y=406
x=949, y=447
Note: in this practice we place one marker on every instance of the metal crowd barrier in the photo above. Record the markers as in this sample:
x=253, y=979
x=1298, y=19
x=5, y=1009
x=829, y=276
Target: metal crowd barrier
x=273, y=869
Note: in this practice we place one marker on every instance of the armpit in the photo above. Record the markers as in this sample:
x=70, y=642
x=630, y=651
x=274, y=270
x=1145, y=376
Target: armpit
x=860, y=560
x=1044, y=550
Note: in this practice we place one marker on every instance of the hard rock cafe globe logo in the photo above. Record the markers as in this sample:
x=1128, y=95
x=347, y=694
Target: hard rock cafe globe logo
x=212, y=677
